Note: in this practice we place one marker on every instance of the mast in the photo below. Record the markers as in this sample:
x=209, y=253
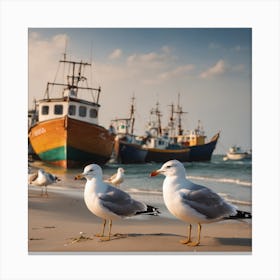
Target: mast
x=74, y=79
x=131, y=117
x=171, y=120
x=158, y=114
x=180, y=112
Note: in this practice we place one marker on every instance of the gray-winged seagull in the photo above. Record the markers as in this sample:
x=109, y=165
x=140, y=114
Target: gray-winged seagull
x=42, y=179
x=108, y=202
x=193, y=203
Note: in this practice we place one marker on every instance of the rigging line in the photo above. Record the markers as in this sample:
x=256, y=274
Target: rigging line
x=55, y=77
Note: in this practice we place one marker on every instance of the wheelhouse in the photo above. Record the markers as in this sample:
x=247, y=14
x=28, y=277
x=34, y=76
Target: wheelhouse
x=73, y=108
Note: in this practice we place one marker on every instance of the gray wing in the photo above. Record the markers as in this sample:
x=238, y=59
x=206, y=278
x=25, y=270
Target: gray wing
x=112, y=177
x=32, y=177
x=207, y=202
x=120, y=202
x=51, y=178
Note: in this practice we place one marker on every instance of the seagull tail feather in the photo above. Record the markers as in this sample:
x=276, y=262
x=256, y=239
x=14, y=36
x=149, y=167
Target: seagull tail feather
x=240, y=215
x=151, y=210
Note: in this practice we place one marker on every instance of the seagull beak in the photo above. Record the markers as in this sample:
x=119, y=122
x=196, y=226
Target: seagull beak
x=79, y=176
x=155, y=173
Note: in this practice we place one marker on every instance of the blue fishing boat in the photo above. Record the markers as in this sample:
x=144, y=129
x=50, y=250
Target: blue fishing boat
x=160, y=145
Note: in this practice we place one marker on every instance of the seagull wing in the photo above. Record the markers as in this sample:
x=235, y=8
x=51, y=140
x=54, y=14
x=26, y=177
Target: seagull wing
x=120, y=202
x=206, y=202
x=32, y=177
x=113, y=177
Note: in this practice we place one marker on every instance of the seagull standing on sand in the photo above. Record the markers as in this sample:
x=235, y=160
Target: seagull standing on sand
x=117, y=178
x=108, y=202
x=42, y=179
x=193, y=203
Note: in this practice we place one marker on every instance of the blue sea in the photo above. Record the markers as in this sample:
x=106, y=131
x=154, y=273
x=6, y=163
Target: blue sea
x=230, y=179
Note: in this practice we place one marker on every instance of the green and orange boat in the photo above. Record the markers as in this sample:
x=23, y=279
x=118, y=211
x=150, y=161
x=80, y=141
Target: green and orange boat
x=66, y=132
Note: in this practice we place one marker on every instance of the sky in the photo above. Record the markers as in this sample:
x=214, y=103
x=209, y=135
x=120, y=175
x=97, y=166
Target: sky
x=210, y=68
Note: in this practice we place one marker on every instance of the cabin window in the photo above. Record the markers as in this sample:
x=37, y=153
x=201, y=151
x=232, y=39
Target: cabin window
x=72, y=110
x=93, y=113
x=45, y=110
x=82, y=111
x=58, y=109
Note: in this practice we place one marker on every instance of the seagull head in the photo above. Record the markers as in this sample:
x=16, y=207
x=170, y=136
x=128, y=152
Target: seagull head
x=120, y=170
x=171, y=168
x=90, y=171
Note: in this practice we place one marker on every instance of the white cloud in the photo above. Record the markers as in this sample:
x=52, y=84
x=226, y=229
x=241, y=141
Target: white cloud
x=117, y=53
x=217, y=69
x=148, y=60
x=43, y=56
x=177, y=71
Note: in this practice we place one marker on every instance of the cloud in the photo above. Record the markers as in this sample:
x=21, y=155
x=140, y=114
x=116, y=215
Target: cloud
x=174, y=73
x=43, y=56
x=217, y=69
x=150, y=60
x=117, y=53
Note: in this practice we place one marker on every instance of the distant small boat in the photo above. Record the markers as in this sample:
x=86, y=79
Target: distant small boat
x=236, y=153
x=65, y=130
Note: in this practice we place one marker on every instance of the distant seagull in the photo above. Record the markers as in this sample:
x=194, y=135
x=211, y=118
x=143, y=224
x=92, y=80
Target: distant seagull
x=117, y=178
x=42, y=179
x=193, y=203
x=108, y=202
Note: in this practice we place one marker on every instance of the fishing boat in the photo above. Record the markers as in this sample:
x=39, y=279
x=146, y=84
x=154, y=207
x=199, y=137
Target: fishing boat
x=67, y=132
x=163, y=144
x=236, y=153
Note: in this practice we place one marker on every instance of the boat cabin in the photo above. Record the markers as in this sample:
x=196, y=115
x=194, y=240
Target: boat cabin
x=191, y=138
x=157, y=143
x=74, y=108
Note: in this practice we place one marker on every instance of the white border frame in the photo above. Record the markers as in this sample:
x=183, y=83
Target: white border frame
x=17, y=16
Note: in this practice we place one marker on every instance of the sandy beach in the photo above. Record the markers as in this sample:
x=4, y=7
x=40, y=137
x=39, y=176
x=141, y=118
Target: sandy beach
x=55, y=224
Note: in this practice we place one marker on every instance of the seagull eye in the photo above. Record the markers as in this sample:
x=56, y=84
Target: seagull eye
x=168, y=166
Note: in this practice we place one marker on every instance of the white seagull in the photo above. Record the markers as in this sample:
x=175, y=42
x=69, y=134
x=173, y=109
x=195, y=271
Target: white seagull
x=117, y=178
x=108, y=202
x=42, y=179
x=193, y=203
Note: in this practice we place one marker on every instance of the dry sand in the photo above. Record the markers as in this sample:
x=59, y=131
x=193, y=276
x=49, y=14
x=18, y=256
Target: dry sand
x=55, y=224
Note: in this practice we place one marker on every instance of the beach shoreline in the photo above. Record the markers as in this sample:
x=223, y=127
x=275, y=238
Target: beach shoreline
x=62, y=224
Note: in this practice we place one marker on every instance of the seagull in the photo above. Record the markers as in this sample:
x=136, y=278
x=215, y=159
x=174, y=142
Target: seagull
x=42, y=179
x=108, y=202
x=193, y=203
x=117, y=178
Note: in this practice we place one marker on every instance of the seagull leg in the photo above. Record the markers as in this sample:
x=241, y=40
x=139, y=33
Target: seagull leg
x=196, y=243
x=101, y=234
x=187, y=240
x=107, y=238
x=46, y=191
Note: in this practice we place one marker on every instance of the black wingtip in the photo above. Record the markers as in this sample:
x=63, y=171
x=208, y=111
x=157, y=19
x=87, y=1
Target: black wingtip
x=240, y=215
x=151, y=210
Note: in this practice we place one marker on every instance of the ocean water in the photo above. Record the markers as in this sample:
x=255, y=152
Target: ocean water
x=230, y=179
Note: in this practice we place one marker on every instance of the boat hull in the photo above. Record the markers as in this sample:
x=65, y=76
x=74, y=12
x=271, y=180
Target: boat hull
x=238, y=156
x=69, y=143
x=130, y=153
x=133, y=153
x=159, y=155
